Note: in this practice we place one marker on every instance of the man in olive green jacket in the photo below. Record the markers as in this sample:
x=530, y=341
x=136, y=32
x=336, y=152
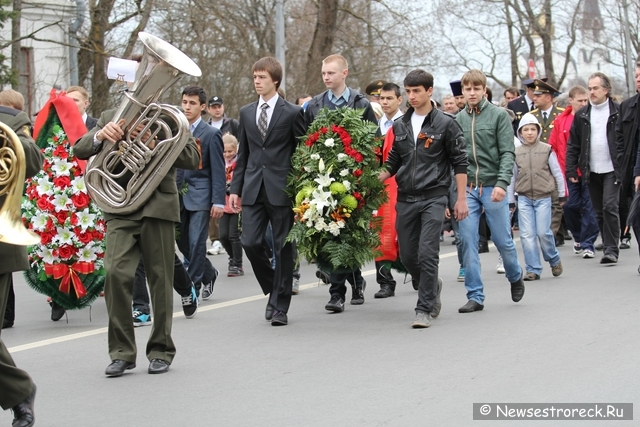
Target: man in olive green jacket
x=490, y=147
x=150, y=232
x=17, y=390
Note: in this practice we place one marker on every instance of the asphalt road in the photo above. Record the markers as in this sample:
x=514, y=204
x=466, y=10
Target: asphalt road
x=571, y=339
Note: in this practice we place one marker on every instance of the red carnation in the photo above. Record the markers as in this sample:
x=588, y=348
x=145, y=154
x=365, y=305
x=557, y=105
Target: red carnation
x=62, y=181
x=80, y=200
x=61, y=152
x=358, y=157
x=66, y=251
x=357, y=173
x=323, y=130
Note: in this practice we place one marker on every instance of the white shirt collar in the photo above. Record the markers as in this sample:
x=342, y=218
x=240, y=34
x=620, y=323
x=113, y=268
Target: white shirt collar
x=195, y=124
x=84, y=117
x=272, y=102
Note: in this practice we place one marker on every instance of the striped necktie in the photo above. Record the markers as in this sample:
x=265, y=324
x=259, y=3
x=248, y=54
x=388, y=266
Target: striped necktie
x=262, y=121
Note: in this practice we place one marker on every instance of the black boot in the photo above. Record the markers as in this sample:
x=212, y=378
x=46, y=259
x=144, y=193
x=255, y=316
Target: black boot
x=385, y=291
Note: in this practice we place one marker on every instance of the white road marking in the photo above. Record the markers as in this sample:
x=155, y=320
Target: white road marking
x=79, y=335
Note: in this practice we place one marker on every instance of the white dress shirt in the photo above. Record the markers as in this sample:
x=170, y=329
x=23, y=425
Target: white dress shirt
x=385, y=124
x=271, y=103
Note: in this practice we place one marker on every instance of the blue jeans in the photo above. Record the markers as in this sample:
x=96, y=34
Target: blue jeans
x=497, y=214
x=535, y=224
x=194, y=228
x=579, y=215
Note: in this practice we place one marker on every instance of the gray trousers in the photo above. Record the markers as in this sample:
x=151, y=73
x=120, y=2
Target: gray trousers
x=418, y=225
x=605, y=197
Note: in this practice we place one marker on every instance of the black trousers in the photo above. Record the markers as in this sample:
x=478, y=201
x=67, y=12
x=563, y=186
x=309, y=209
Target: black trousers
x=338, y=280
x=229, y=230
x=605, y=194
x=384, y=276
x=181, y=283
x=418, y=225
x=276, y=283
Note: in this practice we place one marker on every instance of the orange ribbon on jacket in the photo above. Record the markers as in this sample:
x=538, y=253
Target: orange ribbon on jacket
x=69, y=276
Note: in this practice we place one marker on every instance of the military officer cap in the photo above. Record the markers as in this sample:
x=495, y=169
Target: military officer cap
x=373, y=89
x=529, y=83
x=542, y=87
x=456, y=87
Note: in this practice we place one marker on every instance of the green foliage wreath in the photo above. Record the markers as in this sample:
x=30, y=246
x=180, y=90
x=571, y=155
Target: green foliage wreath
x=334, y=180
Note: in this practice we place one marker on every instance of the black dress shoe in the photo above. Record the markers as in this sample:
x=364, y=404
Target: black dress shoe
x=57, y=311
x=23, y=415
x=517, y=289
x=158, y=366
x=117, y=368
x=385, y=291
x=470, y=307
x=268, y=313
x=483, y=248
x=415, y=284
x=279, y=318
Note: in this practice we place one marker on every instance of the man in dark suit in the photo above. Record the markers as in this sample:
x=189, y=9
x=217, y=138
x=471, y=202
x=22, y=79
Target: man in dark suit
x=81, y=97
x=205, y=192
x=269, y=131
x=522, y=104
x=150, y=232
x=17, y=390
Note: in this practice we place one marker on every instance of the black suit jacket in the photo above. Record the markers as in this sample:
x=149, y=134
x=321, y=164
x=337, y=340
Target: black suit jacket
x=520, y=107
x=91, y=122
x=266, y=162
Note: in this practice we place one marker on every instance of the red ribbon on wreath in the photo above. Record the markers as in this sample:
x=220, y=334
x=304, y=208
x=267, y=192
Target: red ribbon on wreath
x=69, y=276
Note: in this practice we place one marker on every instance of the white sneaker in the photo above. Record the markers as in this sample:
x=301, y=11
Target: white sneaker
x=500, y=268
x=587, y=253
x=216, y=248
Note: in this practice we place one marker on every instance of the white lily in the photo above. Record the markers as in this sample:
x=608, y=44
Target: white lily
x=321, y=199
x=61, y=201
x=324, y=180
x=321, y=165
x=87, y=254
x=64, y=236
x=85, y=219
x=39, y=221
x=44, y=186
x=62, y=167
x=47, y=255
x=78, y=185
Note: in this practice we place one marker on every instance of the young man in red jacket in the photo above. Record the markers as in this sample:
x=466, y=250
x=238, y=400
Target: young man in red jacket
x=578, y=211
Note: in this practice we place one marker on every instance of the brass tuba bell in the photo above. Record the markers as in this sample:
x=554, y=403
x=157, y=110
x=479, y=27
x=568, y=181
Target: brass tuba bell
x=122, y=178
x=13, y=168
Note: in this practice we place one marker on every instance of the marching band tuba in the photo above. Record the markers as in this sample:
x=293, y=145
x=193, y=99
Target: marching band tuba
x=13, y=166
x=121, y=178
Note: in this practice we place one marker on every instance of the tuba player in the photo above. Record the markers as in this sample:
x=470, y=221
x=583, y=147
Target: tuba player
x=150, y=232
